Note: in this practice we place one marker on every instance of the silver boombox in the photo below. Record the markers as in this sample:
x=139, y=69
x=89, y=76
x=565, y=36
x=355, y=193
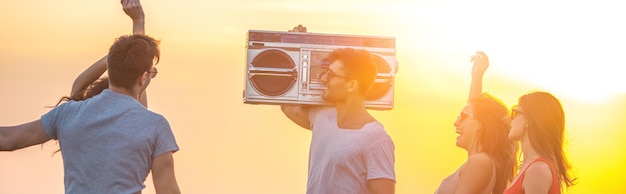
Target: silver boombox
x=283, y=67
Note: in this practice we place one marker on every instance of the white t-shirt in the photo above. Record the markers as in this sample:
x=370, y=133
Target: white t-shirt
x=343, y=160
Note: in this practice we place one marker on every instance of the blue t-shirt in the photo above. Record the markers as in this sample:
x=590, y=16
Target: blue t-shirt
x=108, y=142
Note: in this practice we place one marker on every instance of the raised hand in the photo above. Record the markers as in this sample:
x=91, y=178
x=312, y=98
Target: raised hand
x=133, y=9
x=481, y=63
x=298, y=28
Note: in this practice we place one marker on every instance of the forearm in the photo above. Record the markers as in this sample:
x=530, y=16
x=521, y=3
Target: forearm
x=476, y=88
x=91, y=74
x=3, y=139
x=139, y=26
x=21, y=136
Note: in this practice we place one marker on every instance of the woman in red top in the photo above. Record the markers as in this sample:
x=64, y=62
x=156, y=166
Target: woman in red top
x=538, y=123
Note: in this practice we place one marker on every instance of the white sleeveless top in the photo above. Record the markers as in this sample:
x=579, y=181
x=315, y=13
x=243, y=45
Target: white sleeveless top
x=449, y=184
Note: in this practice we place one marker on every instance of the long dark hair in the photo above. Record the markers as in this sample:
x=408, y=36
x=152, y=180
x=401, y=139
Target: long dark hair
x=546, y=128
x=495, y=125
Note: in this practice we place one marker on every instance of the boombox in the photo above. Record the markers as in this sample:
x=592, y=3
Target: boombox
x=283, y=67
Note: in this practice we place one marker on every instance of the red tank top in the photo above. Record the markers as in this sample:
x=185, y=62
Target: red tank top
x=516, y=187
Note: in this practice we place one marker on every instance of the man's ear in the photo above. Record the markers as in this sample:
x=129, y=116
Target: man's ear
x=143, y=79
x=353, y=86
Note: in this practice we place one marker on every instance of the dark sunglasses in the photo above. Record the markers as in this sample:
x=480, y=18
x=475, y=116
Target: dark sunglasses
x=463, y=115
x=153, y=72
x=515, y=112
x=330, y=74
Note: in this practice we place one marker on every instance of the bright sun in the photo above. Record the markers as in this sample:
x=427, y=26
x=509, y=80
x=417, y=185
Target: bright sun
x=571, y=54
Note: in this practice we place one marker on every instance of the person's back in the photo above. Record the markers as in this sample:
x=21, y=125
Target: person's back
x=108, y=142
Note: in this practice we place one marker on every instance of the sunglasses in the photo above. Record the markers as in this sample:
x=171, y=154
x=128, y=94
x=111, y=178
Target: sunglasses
x=330, y=74
x=464, y=116
x=153, y=72
x=515, y=112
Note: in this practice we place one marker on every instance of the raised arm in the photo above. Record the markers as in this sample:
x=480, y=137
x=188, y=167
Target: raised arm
x=299, y=114
x=481, y=62
x=21, y=136
x=91, y=74
x=134, y=10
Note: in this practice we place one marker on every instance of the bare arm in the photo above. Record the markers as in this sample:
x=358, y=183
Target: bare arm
x=475, y=175
x=381, y=186
x=134, y=10
x=538, y=178
x=21, y=136
x=163, y=174
x=481, y=62
x=299, y=114
x=91, y=74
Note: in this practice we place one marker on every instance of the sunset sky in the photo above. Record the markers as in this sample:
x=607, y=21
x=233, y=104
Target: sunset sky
x=573, y=50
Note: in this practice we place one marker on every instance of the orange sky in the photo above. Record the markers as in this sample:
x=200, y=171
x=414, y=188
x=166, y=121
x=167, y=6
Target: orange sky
x=573, y=50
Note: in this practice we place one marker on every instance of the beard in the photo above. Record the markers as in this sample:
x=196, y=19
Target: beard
x=333, y=96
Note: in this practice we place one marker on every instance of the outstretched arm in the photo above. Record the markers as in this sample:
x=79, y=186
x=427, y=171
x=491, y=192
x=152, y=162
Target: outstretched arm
x=481, y=62
x=21, y=136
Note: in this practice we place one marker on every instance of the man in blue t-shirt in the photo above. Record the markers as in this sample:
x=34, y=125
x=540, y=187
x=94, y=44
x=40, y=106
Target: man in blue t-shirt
x=110, y=142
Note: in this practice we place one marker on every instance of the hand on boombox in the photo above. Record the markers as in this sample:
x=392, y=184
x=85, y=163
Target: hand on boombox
x=298, y=28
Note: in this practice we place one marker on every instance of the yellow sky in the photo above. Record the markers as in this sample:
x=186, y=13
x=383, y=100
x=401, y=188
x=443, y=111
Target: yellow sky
x=573, y=50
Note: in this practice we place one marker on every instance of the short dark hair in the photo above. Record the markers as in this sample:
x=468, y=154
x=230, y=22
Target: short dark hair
x=129, y=57
x=358, y=64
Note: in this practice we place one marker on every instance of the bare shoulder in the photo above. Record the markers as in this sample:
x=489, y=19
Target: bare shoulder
x=538, y=178
x=539, y=171
x=480, y=159
x=478, y=162
x=475, y=174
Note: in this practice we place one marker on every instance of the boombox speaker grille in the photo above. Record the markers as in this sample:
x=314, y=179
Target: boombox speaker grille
x=275, y=75
x=379, y=89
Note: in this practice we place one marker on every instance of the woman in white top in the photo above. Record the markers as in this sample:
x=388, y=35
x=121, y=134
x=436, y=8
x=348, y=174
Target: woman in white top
x=483, y=127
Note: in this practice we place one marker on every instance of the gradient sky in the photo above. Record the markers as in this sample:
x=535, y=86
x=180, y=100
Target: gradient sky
x=573, y=50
